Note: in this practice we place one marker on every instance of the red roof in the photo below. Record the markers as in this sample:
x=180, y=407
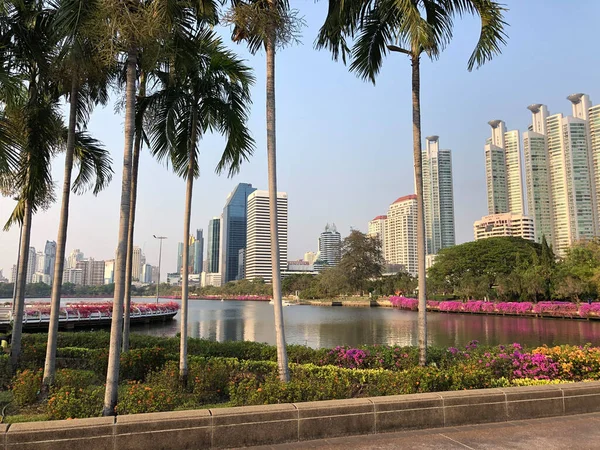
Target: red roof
x=380, y=217
x=406, y=197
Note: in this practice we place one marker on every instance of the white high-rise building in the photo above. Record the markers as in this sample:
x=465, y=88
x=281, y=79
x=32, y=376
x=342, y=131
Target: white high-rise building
x=74, y=276
x=330, y=246
x=507, y=224
x=31, y=265
x=40, y=262
x=138, y=260
x=537, y=173
x=377, y=230
x=75, y=256
x=109, y=271
x=571, y=187
x=438, y=196
x=258, y=242
x=401, y=233
x=503, y=170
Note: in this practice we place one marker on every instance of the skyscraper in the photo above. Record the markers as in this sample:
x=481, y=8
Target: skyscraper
x=537, y=173
x=31, y=264
x=213, y=245
x=438, y=196
x=330, y=246
x=401, y=233
x=233, y=230
x=74, y=256
x=503, y=170
x=198, y=251
x=258, y=242
x=49, y=257
x=179, y=256
x=138, y=260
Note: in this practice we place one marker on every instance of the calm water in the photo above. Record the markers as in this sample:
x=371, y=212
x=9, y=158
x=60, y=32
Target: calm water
x=318, y=326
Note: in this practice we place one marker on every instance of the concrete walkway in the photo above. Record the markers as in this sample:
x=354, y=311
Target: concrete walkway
x=572, y=432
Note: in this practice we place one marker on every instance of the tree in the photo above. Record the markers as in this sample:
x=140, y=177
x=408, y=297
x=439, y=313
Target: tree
x=362, y=259
x=209, y=90
x=128, y=27
x=85, y=81
x=412, y=28
x=269, y=24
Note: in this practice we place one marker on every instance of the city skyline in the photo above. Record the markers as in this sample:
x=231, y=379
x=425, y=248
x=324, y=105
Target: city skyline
x=315, y=147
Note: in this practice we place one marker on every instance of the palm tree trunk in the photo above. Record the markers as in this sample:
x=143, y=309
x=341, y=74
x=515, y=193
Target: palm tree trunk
x=418, y=157
x=183, y=363
x=129, y=266
x=112, y=375
x=19, y=306
x=49, y=366
x=282, y=360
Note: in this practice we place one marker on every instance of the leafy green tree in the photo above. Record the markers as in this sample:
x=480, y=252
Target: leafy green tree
x=578, y=274
x=208, y=91
x=362, y=259
x=412, y=28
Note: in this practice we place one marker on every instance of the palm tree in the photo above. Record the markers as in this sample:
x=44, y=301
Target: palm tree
x=135, y=26
x=268, y=24
x=85, y=79
x=410, y=27
x=208, y=91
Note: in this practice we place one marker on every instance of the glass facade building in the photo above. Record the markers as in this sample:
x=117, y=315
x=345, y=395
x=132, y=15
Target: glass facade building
x=213, y=244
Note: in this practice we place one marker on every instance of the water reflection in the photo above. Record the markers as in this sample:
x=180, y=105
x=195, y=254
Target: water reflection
x=327, y=327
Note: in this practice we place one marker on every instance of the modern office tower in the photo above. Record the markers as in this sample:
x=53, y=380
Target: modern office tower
x=154, y=274
x=241, y=264
x=213, y=245
x=179, y=256
x=594, y=130
x=571, y=183
x=31, y=265
x=377, y=230
x=401, y=233
x=310, y=257
x=74, y=256
x=233, y=230
x=198, y=253
x=146, y=273
x=138, y=260
x=537, y=173
x=109, y=271
x=503, y=170
x=49, y=257
x=507, y=224
x=438, y=196
x=258, y=241
x=330, y=246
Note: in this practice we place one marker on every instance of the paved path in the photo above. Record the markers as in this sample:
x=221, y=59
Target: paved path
x=571, y=432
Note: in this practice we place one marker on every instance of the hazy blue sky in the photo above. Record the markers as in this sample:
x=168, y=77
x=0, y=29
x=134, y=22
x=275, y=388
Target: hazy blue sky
x=345, y=146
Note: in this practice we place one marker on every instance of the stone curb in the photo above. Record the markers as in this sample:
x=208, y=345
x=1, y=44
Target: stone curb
x=276, y=424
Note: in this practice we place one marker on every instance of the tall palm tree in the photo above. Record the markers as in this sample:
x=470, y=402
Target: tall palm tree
x=207, y=92
x=135, y=26
x=269, y=24
x=85, y=79
x=412, y=28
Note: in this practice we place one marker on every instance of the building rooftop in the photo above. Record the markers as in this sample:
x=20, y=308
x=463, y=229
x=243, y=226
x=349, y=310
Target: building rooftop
x=405, y=198
x=380, y=217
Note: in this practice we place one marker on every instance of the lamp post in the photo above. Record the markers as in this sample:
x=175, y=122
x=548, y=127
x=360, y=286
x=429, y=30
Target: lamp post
x=160, y=238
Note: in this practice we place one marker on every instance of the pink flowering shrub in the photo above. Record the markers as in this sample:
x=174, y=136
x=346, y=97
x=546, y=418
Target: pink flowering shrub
x=559, y=309
x=589, y=310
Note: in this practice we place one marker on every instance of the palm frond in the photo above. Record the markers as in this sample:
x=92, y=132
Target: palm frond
x=94, y=163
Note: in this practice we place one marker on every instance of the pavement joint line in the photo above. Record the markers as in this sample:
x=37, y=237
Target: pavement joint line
x=454, y=440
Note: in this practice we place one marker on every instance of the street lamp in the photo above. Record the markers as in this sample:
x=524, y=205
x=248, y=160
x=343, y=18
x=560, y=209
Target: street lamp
x=160, y=238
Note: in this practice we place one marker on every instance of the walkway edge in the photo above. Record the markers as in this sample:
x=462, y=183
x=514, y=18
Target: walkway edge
x=283, y=423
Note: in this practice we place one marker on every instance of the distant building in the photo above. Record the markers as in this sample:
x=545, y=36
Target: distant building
x=377, y=229
x=198, y=253
x=146, y=274
x=73, y=276
x=507, y=224
x=330, y=246
x=401, y=233
x=210, y=279
x=300, y=266
x=438, y=196
x=31, y=265
x=75, y=256
x=40, y=277
x=310, y=257
x=213, y=245
x=13, y=274
x=174, y=279
x=155, y=276
x=92, y=272
x=109, y=271
x=233, y=230
x=3, y=279
x=195, y=250
x=241, y=264
x=138, y=261
x=258, y=241
x=49, y=257
x=40, y=262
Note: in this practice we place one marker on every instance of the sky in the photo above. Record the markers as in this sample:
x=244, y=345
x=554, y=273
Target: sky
x=344, y=146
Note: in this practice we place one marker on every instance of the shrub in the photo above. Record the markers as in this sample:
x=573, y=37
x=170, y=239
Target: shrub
x=209, y=378
x=69, y=403
x=5, y=372
x=136, y=398
x=79, y=358
x=138, y=363
x=574, y=363
x=26, y=386
x=75, y=379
